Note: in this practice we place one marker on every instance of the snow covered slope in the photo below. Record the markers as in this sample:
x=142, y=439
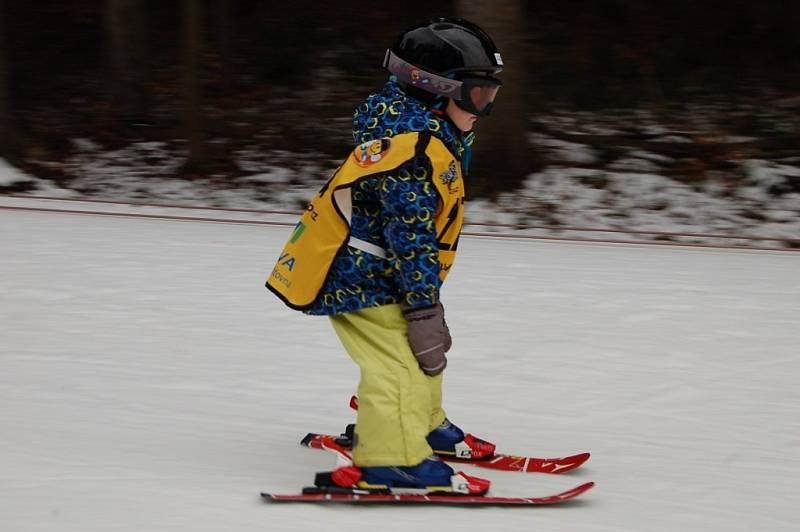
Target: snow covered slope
x=148, y=382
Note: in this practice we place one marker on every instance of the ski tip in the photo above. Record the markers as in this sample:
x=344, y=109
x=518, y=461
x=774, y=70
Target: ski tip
x=577, y=490
x=307, y=439
x=575, y=458
x=584, y=487
x=566, y=495
x=581, y=458
x=571, y=463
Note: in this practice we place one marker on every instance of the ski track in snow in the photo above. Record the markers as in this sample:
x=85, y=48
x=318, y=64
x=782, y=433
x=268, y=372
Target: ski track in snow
x=149, y=382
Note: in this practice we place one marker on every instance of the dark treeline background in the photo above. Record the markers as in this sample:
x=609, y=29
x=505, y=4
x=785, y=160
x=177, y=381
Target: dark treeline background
x=210, y=76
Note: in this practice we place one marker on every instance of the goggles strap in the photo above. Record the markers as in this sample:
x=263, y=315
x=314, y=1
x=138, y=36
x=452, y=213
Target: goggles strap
x=417, y=77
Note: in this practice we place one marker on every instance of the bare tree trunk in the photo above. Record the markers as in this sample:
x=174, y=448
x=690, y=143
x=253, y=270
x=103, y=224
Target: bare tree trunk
x=192, y=112
x=5, y=109
x=224, y=21
x=502, y=158
x=125, y=31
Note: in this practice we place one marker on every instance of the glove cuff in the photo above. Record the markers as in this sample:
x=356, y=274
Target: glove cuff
x=408, y=310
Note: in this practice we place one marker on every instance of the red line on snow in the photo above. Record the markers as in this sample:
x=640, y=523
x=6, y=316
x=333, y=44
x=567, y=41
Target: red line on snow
x=465, y=233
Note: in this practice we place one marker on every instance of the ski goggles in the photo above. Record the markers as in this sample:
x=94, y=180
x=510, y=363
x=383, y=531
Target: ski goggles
x=471, y=92
x=478, y=94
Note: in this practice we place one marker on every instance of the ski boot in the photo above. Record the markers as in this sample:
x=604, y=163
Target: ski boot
x=449, y=441
x=431, y=476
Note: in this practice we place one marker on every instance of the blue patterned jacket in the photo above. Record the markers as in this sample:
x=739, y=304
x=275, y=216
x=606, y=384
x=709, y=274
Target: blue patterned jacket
x=393, y=211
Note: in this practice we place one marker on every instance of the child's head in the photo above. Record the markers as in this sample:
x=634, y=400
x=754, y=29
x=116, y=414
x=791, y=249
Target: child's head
x=448, y=63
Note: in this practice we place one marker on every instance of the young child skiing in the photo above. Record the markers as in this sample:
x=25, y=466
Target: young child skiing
x=377, y=241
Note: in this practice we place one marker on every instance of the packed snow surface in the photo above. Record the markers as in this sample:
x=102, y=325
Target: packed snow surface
x=148, y=382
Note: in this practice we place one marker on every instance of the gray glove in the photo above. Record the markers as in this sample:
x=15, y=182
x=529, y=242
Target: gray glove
x=428, y=337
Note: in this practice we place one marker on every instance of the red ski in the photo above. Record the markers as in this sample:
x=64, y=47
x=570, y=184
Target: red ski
x=525, y=464
x=346, y=495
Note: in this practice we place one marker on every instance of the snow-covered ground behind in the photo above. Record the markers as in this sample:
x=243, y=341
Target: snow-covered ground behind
x=635, y=189
x=149, y=382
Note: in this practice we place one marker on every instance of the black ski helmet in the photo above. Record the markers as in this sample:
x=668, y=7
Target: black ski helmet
x=448, y=57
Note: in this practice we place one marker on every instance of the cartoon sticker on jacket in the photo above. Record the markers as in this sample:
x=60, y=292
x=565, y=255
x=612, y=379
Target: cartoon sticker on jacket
x=449, y=176
x=371, y=152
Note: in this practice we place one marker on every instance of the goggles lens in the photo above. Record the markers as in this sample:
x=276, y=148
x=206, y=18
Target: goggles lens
x=482, y=96
x=478, y=94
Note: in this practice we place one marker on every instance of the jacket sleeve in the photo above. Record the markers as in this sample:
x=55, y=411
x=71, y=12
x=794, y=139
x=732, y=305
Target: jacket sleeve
x=410, y=201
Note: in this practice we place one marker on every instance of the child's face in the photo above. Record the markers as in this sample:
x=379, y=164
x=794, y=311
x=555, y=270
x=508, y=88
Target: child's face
x=464, y=120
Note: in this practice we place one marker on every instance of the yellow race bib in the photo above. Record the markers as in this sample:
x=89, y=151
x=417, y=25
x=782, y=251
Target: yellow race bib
x=324, y=228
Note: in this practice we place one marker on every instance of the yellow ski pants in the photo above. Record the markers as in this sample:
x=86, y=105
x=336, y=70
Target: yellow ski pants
x=398, y=405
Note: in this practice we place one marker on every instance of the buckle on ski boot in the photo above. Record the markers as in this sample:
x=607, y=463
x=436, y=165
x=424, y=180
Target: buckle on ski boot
x=464, y=484
x=474, y=448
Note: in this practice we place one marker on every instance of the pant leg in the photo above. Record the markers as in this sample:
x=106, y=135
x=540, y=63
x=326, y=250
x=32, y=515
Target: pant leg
x=437, y=412
x=398, y=404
